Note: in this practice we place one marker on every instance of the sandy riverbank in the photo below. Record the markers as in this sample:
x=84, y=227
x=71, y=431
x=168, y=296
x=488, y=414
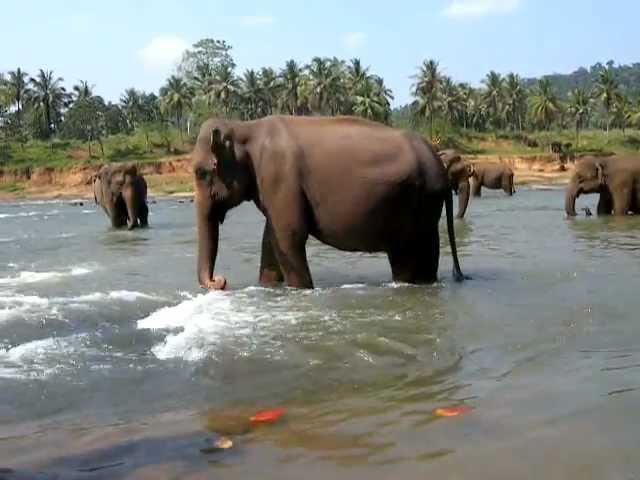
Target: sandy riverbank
x=172, y=177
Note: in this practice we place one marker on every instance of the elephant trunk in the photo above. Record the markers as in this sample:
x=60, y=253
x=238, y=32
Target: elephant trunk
x=570, y=199
x=208, y=235
x=464, y=192
x=129, y=194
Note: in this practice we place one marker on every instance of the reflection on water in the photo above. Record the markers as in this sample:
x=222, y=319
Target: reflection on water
x=105, y=338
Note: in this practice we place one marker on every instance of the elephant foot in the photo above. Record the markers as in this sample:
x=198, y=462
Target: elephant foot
x=218, y=282
x=270, y=278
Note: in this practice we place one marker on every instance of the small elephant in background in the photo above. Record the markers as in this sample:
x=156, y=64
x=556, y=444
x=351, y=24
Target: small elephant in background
x=495, y=176
x=459, y=172
x=122, y=193
x=615, y=179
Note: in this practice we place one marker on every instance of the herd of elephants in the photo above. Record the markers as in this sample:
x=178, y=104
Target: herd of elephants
x=352, y=184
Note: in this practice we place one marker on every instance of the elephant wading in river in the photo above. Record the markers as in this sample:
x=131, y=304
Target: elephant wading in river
x=122, y=193
x=352, y=184
x=494, y=176
x=616, y=179
x=459, y=172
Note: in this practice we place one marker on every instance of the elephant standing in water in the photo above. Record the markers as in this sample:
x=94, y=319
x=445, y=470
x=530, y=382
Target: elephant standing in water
x=122, y=193
x=459, y=172
x=494, y=176
x=353, y=184
x=616, y=179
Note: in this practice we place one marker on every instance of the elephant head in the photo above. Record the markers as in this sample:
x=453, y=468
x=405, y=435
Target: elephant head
x=459, y=172
x=223, y=178
x=588, y=177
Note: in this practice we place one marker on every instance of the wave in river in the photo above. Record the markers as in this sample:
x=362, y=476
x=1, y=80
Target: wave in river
x=33, y=277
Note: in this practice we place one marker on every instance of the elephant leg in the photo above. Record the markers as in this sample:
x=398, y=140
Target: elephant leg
x=270, y=271
x=507, y=184
x=463, y=198
x=477, y=188
x=605, y=203
x=416, y=262
x=143, y=215
x=621, y=202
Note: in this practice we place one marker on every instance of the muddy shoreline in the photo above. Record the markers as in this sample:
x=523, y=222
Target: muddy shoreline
x=172, y=177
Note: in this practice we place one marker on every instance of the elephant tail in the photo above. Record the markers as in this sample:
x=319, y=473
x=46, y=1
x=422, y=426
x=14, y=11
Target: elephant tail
x=457, y=271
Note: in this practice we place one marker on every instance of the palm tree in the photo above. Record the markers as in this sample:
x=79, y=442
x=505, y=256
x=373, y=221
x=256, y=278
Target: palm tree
x=494, y=97
x=544, y=103
x=450, y=99
x=622, y=112
x=466, y=102
x=176, y=97
x=49, y=97
x=251, y=94
x=338, y=98
x=18, y=89
x=356, y=74
x=426, y=90
x=131, y=105
x=606, y=90
x=224, y=87
x=515, y=97
x=82, y=91
x=270, y=87
x=367, y=103
x=580, y=107
x=320, y=82
x=291, y=77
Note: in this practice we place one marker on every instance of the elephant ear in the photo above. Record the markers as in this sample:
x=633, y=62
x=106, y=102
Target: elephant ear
x=602, y=178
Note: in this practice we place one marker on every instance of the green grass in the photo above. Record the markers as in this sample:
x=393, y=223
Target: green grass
x=11, y=187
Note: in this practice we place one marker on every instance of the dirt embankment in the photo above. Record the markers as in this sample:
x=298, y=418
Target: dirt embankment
x=164, y=176
x=172, y=176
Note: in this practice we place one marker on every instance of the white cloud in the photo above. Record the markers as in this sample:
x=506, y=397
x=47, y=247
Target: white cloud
x=256, y=20
x=479, y=8
x=354, y=40
x=162, y=51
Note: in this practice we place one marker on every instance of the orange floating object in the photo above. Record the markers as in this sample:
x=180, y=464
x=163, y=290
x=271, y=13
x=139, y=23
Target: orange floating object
x=267, y=416
x=451, y=411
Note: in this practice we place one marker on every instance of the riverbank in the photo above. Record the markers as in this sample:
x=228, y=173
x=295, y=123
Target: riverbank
x=171, y=176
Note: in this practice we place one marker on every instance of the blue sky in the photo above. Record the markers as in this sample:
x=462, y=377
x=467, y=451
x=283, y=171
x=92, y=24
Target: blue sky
x=118, y=44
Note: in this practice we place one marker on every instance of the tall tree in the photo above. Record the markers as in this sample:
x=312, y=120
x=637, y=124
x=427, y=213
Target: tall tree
x=223, y=88
x=130, y=102
x=580, y=108
x=82, y=91
x=176, y=97
x=270, y=86
x=515, y=97
x=426, y=91
x=49, y=97
x=494, y=97
x=544, y=104
x=292, y=78
x=606, y=90
x=18, y=88
x=204, y=58
x=251, y=94
x=450, y=100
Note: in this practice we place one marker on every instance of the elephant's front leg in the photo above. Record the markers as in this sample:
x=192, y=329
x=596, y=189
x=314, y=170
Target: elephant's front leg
x=605, y=203
x=477, y=187
x=270, y=271
x=621, y=201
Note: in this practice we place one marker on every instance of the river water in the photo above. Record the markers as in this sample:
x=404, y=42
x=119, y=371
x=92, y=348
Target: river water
x=113, y=364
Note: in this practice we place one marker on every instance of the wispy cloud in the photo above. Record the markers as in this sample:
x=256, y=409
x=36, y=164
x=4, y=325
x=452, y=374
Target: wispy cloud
x=162, y=51
x=354, y=40
x=480, y=8
x=257, y=20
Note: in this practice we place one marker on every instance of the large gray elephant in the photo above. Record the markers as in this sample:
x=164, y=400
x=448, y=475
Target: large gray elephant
x=352, y=184
x=616, y=179
x=459, y=172
x=495, y=176
x=122, y=193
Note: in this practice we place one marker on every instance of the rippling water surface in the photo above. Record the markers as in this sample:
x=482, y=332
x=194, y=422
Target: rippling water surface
x=113, y=364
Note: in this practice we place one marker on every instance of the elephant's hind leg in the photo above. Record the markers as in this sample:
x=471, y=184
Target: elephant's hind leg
x=477, y=188
x=605, y=203
x=143, y=216
x=270, y=270
x=417, y=260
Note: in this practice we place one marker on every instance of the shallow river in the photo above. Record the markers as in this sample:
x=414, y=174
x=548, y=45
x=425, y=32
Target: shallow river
x=114, y=365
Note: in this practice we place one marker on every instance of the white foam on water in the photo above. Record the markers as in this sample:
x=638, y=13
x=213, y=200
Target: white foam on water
x=20, y=214
x=7, y=239
x=27, y=277
x=202, y=320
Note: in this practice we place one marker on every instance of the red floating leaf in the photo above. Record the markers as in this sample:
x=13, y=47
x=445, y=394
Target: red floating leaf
x=452, y=411
x=267, y=416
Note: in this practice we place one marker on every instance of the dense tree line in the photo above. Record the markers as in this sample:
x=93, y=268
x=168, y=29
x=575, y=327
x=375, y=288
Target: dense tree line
x=507, y=103
x=206, y=82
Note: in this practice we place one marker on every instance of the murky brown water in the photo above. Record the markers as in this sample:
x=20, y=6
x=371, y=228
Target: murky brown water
x=114, y=365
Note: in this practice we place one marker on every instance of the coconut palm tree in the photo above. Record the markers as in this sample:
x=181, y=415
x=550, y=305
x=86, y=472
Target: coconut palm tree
x=270, y=87
x=224, y=88
x=367, y=102
x=544, y=103
x=426, y=91
x=515, y=98
x=130, y=102
x=606, y=90
x=82, y=91
x=251, y=93
x=466, y=94
x=17, y=87
x=176, y=97
x=291, y=79
x=49, y=98
x=622, y=112
x=494, y=97
x=579, y=107
x=356, y=74
x=450, y=100
x=321, y=83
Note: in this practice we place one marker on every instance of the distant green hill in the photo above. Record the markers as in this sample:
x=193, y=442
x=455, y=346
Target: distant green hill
x=627, y=75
